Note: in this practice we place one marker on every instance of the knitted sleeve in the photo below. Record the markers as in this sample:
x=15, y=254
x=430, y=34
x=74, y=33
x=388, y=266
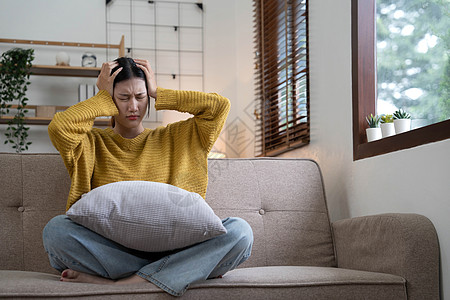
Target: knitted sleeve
x=210, y=111
x=69, y=128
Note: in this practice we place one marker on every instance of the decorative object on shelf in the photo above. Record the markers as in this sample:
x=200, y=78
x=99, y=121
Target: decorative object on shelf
x=89, y=60
x=86, y=91
x=402, y=121
x=374, y=131
x=62, y=59
x=387, y=125
x=15, y=67
x=45, y=111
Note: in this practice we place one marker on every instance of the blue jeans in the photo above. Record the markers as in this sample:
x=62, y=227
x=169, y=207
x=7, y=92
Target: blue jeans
x=72, y=246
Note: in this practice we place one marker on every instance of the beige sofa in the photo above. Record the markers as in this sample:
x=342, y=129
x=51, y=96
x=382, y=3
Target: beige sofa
x=298, y=253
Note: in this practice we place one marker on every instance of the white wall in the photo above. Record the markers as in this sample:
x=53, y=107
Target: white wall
x=229, y=70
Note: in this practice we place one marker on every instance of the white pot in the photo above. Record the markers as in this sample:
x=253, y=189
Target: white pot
x=373, y=134
x=387, y=129
x=402, y=125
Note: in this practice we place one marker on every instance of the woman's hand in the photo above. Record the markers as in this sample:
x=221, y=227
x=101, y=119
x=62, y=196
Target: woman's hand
x=105, y=80
x=151, y=81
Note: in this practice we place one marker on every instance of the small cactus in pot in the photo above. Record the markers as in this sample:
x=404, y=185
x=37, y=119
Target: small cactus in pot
x=387, y=119
x=401, y=114
x=387, y=125
x=373, y=121
x=402, y=121
x=373, y=132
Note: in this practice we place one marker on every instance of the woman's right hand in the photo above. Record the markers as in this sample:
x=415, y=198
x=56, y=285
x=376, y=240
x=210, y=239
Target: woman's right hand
x=105, y=80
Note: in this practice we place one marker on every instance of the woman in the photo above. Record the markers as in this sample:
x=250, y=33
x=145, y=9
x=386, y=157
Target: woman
x=128, y=151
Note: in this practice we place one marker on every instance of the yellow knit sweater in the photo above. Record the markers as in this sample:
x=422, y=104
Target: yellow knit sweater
x=175, y=154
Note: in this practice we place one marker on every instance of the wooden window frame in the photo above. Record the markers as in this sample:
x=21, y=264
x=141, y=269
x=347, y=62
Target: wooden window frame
x=271, y=139
x=364, y=91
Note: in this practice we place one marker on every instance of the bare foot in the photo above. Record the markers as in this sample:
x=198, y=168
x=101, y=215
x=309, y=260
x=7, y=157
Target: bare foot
x=75, y=276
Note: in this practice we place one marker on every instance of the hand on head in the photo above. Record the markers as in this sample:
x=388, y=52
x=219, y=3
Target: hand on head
x=151, y=81
x=105, y=80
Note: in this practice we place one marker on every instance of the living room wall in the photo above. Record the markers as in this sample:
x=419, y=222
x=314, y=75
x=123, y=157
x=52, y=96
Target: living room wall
x=225, y=23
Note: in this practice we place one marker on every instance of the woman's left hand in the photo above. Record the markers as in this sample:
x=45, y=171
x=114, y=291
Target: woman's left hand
x=151, y=81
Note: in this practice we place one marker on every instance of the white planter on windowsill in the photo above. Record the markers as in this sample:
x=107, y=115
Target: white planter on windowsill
x=402, y=125
x=387, y=129
x=373, y=134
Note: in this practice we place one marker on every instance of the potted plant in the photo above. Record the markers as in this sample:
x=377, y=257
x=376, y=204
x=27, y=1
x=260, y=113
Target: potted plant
x=15, y=67
x=387, y=125
x=402, y=121
x=374, y=131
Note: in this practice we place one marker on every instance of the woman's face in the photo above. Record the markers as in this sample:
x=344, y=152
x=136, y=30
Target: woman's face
x=130, y=97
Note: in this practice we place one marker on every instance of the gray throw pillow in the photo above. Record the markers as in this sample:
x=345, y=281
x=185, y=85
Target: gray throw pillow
x=147, y=216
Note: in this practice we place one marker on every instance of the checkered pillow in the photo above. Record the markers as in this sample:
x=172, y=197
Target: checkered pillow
x=147, y=216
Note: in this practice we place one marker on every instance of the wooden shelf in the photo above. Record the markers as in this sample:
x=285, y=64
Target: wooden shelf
x=46, y=121
x=67, y=70
x=64, y=71
x=120, y=46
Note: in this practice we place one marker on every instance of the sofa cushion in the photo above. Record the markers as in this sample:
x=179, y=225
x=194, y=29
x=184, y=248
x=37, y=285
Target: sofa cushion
x=33, y=189
x=284, y=202
x=147, y=216
x=11, y=204
x=286, y=282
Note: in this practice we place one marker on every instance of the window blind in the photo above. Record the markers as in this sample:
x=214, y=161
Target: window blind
x=282, y=76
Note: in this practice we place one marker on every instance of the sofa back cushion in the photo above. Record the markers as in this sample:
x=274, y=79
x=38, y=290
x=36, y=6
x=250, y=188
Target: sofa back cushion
x=282, y=199
x=33, y=189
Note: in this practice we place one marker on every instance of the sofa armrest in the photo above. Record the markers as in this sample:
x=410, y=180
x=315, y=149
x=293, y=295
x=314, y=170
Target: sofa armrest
x=401, y=244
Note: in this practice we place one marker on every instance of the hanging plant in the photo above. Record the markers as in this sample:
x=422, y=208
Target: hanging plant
x=15, y=67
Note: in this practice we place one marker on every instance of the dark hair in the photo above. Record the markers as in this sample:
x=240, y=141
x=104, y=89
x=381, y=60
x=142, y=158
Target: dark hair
x=129, y=70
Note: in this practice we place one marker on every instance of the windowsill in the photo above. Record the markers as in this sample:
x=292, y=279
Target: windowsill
x=416, y=137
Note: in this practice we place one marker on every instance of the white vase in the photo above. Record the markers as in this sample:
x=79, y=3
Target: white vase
x=62, y=59
x=402, y=125
x=387, y=129
x=373, y=134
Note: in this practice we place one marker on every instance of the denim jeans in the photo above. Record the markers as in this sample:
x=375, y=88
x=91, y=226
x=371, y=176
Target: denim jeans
x=72, y=246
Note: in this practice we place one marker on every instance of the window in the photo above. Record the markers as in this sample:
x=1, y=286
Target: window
x=364, y=91
x=282, y=76
x=412, y=63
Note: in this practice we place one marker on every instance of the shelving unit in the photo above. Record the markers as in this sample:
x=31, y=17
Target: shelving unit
x=65, y=71
x=46, y=121
x=39, y=120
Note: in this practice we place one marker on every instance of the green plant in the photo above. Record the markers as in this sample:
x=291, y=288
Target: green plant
x=401, y=114
x=387, y=119
x=15, y=67
x=373, y=120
